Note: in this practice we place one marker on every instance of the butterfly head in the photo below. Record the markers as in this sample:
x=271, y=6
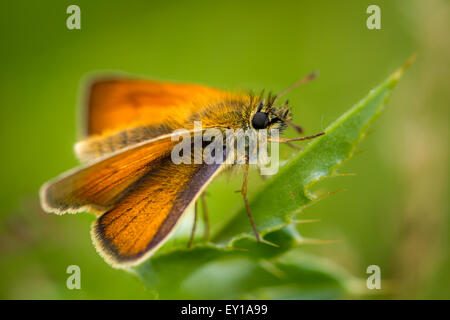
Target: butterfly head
x=267, y=116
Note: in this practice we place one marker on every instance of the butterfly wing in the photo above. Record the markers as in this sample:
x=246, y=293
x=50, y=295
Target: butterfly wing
x=123, y=112
x=138, y=223
x=98, y=185
x=116, y=104
x=138, y=193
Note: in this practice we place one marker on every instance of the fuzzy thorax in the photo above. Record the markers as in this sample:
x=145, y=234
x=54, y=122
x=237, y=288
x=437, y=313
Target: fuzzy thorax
x=233, y=111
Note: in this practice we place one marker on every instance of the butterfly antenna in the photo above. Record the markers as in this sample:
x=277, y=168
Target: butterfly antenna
x=299, y=83
x=287, y=121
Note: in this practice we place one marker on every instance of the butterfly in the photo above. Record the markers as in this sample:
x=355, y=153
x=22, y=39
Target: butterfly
x=128, y=178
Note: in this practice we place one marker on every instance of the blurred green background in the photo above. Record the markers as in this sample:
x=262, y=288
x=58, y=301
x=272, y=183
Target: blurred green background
x=395, y=212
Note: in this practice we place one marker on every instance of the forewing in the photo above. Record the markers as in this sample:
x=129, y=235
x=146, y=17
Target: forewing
x=140, y=221
x=99, y=185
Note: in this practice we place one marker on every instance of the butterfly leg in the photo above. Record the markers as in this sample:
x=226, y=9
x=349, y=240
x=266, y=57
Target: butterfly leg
x=281, y=140
x=194, y=226
x=293, y=146
x=205, y=216
x=244, y=194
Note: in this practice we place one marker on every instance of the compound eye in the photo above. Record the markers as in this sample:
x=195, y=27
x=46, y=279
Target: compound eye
x=260, y=120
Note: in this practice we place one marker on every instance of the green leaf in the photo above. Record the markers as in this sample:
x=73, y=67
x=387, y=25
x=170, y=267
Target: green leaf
x=287, y=193
x=218, y=273
x=234, y=265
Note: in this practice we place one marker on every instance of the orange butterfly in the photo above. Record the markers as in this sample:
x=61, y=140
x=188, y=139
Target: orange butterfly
x=129, y=180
